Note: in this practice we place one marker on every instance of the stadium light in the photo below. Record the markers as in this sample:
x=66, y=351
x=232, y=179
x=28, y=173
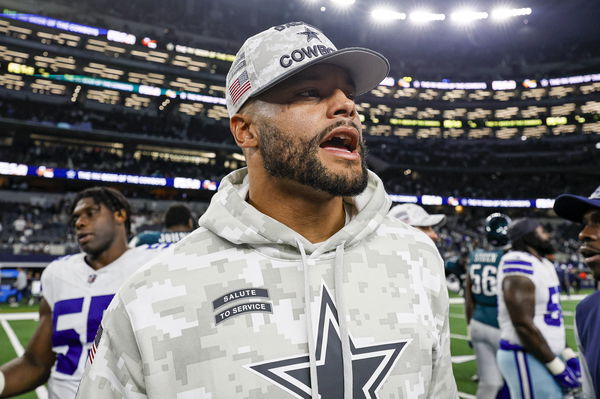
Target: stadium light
x=388, y=81
x=426, y=16
x=467, y=16
x=343, y=3
x=387, y=15
x=501, y=14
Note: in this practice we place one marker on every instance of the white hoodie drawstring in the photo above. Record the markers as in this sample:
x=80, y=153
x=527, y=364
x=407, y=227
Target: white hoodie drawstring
x=341, y=310
x=314, y=384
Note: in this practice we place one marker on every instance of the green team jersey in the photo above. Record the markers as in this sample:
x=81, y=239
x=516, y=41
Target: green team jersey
x=483, y=270
x=151, y=237
x=453, y=266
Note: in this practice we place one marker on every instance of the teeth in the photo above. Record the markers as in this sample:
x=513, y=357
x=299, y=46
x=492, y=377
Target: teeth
x=343, y=139
x=346, y=141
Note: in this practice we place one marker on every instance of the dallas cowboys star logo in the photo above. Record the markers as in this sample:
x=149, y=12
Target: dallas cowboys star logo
x=310, y=34
x=371, y=364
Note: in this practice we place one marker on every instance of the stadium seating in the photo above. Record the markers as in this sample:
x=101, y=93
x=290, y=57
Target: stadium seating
x=73, y=99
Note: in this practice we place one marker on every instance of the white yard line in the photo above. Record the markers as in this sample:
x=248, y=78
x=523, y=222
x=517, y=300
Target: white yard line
x=458, y=336
x=20, y=316
x=42, y=392
x=12, y=337
x=463, y=359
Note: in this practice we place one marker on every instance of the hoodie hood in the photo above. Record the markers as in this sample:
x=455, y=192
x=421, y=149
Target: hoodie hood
x=232, y=218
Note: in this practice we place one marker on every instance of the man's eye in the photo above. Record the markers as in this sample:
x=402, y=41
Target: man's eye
x=309, y=93
x=90, y=213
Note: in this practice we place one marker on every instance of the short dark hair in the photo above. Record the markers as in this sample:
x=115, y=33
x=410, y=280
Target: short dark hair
x=177, y=215
x=111, y=198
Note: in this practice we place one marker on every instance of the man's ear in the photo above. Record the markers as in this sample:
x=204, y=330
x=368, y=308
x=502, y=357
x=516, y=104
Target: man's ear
x=121, y=216
x=243, y=130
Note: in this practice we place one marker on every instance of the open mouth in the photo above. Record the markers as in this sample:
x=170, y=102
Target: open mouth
x=590, y=254
x=342, y=138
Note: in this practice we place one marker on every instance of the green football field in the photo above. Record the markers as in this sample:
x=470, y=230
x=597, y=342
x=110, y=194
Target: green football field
x=462, y=355
x=19, y=331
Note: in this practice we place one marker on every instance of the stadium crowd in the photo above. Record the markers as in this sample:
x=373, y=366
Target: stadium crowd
x=476, y=184
x=172, y=125
x=44, y=228
x=399, y=181
x=95, y=158
x=482, y=153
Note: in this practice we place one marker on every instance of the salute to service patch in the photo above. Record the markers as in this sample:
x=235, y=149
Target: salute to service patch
x=241, y=308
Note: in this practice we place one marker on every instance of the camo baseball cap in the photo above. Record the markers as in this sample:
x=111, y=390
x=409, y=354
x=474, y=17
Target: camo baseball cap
x=274, y=55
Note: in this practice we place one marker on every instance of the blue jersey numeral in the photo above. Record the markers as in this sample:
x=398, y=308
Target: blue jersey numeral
x=554, y=315
x=67, y=363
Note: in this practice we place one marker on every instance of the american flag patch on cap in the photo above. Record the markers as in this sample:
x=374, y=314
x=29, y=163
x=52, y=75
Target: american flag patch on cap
x=239, y=87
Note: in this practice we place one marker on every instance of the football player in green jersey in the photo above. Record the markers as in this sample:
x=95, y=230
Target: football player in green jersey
x=178, y=222
x=481, y=306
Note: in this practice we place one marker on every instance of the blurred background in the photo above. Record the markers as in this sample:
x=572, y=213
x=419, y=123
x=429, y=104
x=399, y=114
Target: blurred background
x=489, y=107
x=485, y=101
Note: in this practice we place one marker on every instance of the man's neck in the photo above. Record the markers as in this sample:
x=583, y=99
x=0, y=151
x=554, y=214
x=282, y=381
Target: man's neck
x=534, y=252
x=311, y=213
x=107, y=257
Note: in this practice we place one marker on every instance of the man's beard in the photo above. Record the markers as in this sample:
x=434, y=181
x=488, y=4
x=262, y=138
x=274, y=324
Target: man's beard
x=295, y=158
x=542, y=247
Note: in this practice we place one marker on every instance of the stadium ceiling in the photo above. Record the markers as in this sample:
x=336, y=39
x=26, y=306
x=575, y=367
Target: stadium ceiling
x=423, y=38
x=550, y=21
x=556, y=31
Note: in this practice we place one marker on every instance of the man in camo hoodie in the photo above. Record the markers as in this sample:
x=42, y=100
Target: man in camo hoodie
x=297, y=283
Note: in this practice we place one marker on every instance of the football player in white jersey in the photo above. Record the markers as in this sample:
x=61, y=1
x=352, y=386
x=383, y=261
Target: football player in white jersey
x=76, y=290
x=533, y=356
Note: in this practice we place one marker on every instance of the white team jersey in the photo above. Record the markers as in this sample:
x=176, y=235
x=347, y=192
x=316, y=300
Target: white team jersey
x=78, y=295
x=548, y=316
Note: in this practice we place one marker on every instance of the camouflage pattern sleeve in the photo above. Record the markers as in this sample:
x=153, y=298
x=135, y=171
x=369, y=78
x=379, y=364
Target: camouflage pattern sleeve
x=443, y=384
x=114, y=368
